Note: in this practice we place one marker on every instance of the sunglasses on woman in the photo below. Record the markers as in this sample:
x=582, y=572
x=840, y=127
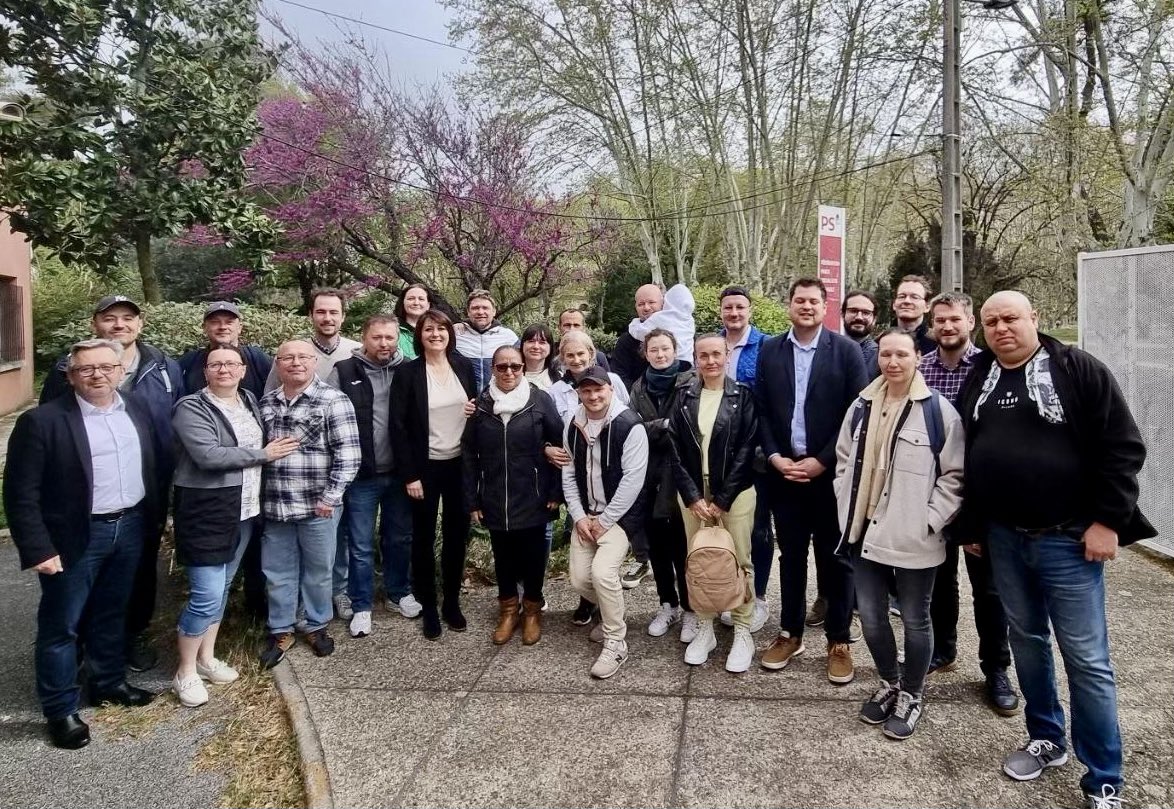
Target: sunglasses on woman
x=512, y=367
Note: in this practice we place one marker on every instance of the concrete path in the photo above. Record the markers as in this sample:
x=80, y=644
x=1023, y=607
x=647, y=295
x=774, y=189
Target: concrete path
x=405, y=721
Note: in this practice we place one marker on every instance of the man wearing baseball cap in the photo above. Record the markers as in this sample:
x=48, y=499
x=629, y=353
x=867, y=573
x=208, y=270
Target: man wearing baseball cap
x=222, y=327
x=155, y=381
x=603, y=486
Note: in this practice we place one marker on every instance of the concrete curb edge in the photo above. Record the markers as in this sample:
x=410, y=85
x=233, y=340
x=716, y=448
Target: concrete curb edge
x=315, y=776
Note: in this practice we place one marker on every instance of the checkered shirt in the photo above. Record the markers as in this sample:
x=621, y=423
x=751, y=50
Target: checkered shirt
x=948, y=382
x=323, y=420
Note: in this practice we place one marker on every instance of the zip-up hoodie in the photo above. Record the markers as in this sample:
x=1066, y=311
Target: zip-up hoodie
x=478, y=346
x=372, y=405
x=606, y=475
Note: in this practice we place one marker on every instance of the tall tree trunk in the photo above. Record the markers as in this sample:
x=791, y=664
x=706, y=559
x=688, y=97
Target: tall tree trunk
x=151, y=291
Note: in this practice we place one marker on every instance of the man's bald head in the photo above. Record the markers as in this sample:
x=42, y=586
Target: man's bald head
x=649, y=300
x=1011, y=327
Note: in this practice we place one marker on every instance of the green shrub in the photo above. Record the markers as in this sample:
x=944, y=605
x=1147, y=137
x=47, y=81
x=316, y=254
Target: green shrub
x=769, y=314
x=175, y=328
x=65, y=295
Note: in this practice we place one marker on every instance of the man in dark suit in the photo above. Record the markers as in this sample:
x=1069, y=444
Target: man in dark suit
x=807, y=380
x=80, y=493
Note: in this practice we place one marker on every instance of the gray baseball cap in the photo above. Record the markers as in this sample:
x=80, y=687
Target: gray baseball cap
x=222, y=306
x=110, y=301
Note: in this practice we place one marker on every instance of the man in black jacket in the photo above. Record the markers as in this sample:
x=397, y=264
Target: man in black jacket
x=366, y=380
x=80, y=492
x=1052, y=456
x=222, y=327
x=627, y=359
x=807, y=380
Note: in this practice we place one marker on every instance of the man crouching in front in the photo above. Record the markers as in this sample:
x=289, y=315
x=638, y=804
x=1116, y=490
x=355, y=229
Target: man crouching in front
x=602, y=485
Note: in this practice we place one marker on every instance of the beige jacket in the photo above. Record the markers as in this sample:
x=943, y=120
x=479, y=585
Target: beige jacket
x=906, y=529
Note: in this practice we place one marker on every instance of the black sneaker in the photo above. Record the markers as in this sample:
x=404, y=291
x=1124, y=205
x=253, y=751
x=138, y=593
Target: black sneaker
x=140, y=654
x=903, y=721
x=940, y=665
x=276, y=648
x=879, y=706
x=817, y=613
x=1001, y=696
x=321, y=643
x=634, y=574
x=582, y=614
x=430, y=622
x=1029, y=761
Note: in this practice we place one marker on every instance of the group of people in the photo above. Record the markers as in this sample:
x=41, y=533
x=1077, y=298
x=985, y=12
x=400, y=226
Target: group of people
x=883, y=453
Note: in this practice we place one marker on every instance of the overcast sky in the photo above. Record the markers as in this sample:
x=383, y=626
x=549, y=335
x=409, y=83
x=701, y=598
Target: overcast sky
x=414, y=60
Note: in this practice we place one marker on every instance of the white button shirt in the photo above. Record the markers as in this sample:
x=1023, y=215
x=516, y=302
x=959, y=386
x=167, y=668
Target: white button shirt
x=116, y=456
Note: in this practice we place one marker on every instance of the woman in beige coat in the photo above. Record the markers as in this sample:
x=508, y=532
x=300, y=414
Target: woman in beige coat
x=898, y=484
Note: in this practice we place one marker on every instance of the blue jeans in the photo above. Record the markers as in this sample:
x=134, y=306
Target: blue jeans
x=297, y=557
x=87, y=600
x=1047, y=577
x=873, y=583
x=386, y=495
x=208, y=587
x=341, y=567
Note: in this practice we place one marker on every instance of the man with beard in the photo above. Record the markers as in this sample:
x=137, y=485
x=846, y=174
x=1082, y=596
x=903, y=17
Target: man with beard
x=858, y=313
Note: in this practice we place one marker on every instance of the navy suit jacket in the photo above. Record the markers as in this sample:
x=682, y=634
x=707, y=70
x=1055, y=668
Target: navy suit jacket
x=49, y=480
x=836, y=379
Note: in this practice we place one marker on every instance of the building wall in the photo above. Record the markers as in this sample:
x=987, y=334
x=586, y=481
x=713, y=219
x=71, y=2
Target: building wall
x=16, y=375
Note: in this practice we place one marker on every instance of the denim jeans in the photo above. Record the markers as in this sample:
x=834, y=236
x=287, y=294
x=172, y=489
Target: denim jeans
x=383, y=496
x=209, y=585
x=914, y=591
x=297, y=557
x=340, y=571
x=88, y=599
x=1046, y=577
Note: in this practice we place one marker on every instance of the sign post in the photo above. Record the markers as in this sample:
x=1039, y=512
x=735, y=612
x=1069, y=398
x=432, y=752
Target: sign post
x=831, y=262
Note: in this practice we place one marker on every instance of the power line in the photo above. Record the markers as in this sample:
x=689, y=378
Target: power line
x=377, y=27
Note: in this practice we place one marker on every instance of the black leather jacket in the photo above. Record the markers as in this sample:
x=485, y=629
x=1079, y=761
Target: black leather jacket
x=731, y=447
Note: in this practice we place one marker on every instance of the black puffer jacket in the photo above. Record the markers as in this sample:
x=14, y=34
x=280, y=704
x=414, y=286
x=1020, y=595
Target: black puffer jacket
x=731, y=447
x=507, y=477
x=660, y=489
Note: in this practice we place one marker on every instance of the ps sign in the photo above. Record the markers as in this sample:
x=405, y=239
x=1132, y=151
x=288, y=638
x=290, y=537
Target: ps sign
x=831, y=261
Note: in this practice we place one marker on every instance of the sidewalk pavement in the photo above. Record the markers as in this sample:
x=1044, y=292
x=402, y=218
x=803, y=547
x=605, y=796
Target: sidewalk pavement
x=404, y=721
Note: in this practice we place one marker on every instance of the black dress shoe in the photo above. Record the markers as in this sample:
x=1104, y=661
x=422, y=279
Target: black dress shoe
x=453, y=616
x=70, y=733
x=140, y=654
x=1001, y=695
x=122, y=694
x=430, y=622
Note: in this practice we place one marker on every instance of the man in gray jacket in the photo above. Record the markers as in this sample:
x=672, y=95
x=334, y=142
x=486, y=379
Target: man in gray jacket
x=365, y=378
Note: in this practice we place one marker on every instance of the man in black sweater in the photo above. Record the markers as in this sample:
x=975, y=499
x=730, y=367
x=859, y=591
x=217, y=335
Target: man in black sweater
x=1052, y=456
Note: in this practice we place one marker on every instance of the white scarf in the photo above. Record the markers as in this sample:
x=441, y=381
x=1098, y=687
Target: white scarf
x=506, y=403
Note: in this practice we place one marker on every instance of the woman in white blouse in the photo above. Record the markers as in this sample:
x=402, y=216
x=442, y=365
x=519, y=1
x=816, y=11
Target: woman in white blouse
x=218, y=461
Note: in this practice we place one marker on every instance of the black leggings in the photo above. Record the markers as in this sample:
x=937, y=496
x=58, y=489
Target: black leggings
x=667, y=547
x=442, y=486
x=519, y=555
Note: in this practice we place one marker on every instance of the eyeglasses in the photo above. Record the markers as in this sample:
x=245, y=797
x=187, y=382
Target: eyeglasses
x=220, y=366
x=910, y=296
x=87, y=371
x=290, y=359
x=851, y=310
x=510, y=367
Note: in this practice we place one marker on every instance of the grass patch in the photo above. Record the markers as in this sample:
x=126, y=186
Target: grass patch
x=1065, y=334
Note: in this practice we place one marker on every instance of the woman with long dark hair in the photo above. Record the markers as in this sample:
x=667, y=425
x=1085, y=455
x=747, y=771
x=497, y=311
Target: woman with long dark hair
x=414, y=300
x=538, y=355
x=431, y=398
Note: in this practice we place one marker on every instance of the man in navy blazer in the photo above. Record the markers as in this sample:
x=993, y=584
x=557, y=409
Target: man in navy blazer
x=807, y=380
x=80, y=492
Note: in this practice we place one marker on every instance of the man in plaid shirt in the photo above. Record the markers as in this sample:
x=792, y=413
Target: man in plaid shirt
x=303, y=497
x=951, y=315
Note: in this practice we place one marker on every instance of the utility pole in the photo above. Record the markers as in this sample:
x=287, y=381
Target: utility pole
x=951, y=148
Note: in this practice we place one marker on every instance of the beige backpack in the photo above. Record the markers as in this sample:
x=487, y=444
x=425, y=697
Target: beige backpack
x=717, y=582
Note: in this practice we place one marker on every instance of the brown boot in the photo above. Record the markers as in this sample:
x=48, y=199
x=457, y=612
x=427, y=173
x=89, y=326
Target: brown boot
x=531, y=621
x=507, y=620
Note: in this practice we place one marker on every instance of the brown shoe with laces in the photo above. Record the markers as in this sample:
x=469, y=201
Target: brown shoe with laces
x=840, y=668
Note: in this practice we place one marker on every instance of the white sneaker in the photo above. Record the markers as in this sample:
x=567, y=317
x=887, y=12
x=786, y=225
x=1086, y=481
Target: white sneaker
x=596, y=635
x=742, y=652
x=666, y=617
x=727, y=618
x=361, y=624
x=342, y=607
x=407, y=606
x=217, y=672
x=689, y=626
x=191, y=691
x=698, y=651
x=614, y=653
x=761, y=613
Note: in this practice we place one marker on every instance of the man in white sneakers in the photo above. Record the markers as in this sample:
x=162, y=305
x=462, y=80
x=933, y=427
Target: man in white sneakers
x=603, y=485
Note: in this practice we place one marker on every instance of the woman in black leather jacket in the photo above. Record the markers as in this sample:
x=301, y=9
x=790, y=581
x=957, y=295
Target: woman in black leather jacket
x=714, y=435
x=653, y=396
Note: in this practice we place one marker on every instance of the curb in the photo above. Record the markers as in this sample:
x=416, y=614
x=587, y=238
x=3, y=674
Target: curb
x=315, y=777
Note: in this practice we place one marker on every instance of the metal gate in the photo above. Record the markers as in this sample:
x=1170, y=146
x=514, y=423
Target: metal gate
x=1125, y=301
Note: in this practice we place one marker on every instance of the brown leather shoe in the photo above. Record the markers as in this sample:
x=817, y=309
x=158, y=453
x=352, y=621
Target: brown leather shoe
x=531, y=621
x=507, y=620
x=840, y=668
x=779, y=653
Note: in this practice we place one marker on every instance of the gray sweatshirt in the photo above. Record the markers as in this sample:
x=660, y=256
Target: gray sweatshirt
x=380, y=378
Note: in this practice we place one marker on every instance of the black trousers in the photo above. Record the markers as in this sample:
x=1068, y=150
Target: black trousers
x=994, y=653
x=805, y=515
x=443, y=488
x=519, y=556
x=667, y=548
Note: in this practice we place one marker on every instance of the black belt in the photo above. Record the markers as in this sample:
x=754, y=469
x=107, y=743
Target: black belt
x=1036, y=533
x=114, y=516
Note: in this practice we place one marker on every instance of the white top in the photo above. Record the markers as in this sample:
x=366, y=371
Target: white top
x=446, y=414
x=115, y=455
x=248, y=435
x=540, y=379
